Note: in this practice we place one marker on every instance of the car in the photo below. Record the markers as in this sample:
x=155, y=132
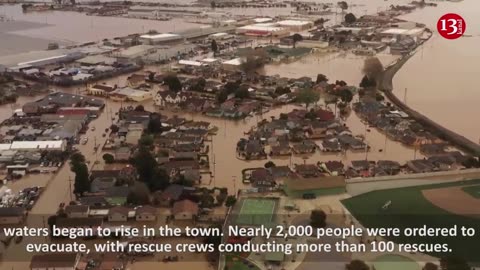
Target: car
x=85, y=140
x=92, y=129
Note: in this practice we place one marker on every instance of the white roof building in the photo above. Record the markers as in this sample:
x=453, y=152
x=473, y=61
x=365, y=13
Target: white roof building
x=38, y=145
x=262, y=20
x=190, y=63
x=160, y=38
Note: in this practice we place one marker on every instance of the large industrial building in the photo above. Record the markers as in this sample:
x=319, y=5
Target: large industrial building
x=157, y=39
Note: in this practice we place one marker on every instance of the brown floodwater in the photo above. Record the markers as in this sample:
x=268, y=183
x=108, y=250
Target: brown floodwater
x=442, y=78
x=74, y=27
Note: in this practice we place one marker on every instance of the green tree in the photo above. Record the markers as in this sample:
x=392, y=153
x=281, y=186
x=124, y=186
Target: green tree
x=453, y=262
x=213, y=239
x=155, y=123
x=145, y=164
x=373, y=68
x=139, y=108
x=231, y=200
x=367, y=82
x=82, y=183
x=242, y=92
x=146, y=140
x=213, y=5
x=80, y=169
x=357, y=265
x=296, y=38
x=139, y=194
x=318, y=219
x=173, y=83
x=108, y=158
x=308, y=96
x=346, y=95
x=214, y=46
x=342, y=5
x=206, y=200
x=350, y=18
x=221, y=197
x=321, y=78
x=270, y=164
x=282, y=90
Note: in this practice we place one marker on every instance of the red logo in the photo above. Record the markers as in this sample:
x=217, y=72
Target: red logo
x=451, y=26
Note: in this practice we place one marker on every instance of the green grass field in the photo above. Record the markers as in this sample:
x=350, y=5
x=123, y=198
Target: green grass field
x=474, y=191
x=256, y=212
x=410, y=209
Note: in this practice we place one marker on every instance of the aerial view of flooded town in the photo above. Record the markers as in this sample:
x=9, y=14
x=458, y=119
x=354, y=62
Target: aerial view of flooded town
x=253, y=113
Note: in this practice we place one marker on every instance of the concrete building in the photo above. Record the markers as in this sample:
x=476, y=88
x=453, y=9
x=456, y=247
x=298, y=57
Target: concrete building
x=136, y=52
x=157, y=39
x=263, y=30
x=232, y=65
x=59, y=145
x=295, y=25
x=103, y=90
x=127, y=93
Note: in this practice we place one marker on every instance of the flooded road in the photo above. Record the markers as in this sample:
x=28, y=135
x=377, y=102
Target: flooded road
x=335, y=65
x=441, y=80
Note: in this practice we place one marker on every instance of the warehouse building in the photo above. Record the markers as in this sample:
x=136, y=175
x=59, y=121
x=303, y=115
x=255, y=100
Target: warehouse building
x=158, y=39
x=263, y=30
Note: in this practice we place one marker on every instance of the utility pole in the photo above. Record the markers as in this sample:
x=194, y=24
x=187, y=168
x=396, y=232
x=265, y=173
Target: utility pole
x=70, y=187
x=405, y=96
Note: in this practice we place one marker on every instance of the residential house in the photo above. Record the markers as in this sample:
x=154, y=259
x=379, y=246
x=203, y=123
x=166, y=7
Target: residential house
x=171, y=194
x=77, y=211
x=387, y=167
x=103, y=90
x=420, y=166
x=118, y=213
x=332, y=145
x=88, y=222
x=262, y=178
x=305, y=147
x=192, y=175
x=185, y=210
x=307, y=170
x=350, y=142
x=282, y=149
x=170, y=98
x=122, y=154
x=254, y=149
x=145, y=213
x=279, y=172
x=334, y=167
x=55, y=261
x=136, y=80
x=102, y=184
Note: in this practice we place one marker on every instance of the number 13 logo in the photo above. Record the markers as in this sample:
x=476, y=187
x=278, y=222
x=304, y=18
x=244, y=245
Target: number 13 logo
x=451, y=26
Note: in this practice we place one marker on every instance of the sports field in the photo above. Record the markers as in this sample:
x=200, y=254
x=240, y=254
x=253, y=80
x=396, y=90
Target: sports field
x=474, y=191
x=256, y=211
x=410, y=208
